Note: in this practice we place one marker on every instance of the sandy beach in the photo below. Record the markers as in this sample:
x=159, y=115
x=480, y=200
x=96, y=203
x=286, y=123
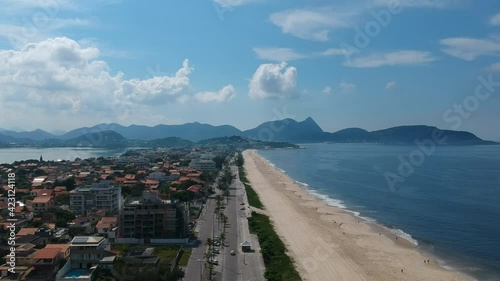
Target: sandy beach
x=328, y=243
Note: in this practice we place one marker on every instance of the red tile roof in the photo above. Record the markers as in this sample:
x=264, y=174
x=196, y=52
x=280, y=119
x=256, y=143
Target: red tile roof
x=47, y=253
x=26, y=231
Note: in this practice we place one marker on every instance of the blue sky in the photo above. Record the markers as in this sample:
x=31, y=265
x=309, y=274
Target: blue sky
x=371, y=64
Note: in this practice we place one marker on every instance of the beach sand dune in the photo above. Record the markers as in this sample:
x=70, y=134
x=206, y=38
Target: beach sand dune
x=328, y=243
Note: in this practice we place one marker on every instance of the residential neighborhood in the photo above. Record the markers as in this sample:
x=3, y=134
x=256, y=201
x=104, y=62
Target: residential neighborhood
x=101, y=218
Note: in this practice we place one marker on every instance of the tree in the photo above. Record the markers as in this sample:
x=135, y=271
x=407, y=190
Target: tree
x=62, y=199
x=183, y=196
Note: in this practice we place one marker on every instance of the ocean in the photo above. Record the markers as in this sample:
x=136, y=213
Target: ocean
x=447, y=200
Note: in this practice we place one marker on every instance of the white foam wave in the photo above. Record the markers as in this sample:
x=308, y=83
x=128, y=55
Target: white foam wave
x=404, y=235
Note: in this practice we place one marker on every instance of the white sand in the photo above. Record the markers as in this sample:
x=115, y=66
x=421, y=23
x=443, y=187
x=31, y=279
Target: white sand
x=324, y=251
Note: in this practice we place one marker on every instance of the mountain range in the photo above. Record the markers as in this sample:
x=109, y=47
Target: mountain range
x=286, y=130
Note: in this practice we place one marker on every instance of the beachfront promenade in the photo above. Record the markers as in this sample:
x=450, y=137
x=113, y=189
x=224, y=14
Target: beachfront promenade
x=328, y=243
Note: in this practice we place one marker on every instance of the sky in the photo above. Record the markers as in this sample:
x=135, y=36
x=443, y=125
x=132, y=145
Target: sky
x=371, y=64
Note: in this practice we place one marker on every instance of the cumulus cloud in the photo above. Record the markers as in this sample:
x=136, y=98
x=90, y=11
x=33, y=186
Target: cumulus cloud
x=59, y=74
x=225, y=94
x=470, y=48
x=390, y=59
x=327, y=90
x=391, y=85
x=271, y=81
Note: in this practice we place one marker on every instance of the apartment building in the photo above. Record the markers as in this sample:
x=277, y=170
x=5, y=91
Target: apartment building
x=151, y=218
x=100, y=196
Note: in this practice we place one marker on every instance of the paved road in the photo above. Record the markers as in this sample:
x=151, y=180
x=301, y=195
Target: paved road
x=196, y=265
x=231, y=266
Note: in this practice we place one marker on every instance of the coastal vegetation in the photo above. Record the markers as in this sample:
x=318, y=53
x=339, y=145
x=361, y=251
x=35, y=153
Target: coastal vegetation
x=279, y=266
x=252, y=196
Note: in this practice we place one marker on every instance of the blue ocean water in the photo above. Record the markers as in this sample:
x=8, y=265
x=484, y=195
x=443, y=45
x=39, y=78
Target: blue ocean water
x=450, y=204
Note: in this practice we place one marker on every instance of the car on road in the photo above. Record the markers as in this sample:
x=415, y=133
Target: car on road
x=214, y=261
x=233, y=253
x=216, y=251
x=242, y=203
x=242, y=208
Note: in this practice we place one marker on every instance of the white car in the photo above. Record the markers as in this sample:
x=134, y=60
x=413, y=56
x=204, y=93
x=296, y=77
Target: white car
x=233, y=253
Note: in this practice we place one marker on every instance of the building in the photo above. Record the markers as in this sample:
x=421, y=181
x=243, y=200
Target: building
x=85, y=254
x=42, y=204
x=107, y=227
x=97, y=196
x=150, y=218
x=202, y=164
x=45, y=265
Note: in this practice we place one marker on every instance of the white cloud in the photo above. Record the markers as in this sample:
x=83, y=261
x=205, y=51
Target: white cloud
x=277, y=54
x=335, y=52
x=495, y=20
x=347, y=87
x=470, y=48
x=394, y=58
x=439, y=4
x=316, y=24
x=391, y=85
x=288, y=54
x=327, y=90
x=495, y=67
x=233, y=3
x=310, y=24
x=273, y=81
x=225, y=94
x=59, y=75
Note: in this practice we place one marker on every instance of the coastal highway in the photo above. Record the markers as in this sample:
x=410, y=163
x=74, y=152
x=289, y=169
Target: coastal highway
x=196, y=264
x=231, y=265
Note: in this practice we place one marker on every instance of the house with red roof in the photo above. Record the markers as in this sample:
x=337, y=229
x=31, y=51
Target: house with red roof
x=45, y=264
x=42, y=203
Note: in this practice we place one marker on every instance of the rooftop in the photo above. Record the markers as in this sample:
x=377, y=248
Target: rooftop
x=86, y=240
x=47, y=253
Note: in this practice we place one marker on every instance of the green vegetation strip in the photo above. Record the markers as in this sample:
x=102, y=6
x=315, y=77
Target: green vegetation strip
x=279, y=266
x=252, y=196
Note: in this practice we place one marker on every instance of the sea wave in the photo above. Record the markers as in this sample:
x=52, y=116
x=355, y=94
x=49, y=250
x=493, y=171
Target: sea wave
x=400, y=233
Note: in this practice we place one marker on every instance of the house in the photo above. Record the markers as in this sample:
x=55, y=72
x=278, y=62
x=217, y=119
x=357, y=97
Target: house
x=64, y=250
x=60, y=190
x=42, y=192
x=24, y=260
x=24, y=254
x=151, y=183
x=86, y=253
x=80, y=226
x=45, y=265
x=195, y=188
x=107, y=227
x=38, y=241
x=38, y=181
x=42, y=203
x=26, y=231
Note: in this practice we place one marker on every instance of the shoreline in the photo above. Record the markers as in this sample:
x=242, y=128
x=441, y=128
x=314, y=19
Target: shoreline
x=348, y=246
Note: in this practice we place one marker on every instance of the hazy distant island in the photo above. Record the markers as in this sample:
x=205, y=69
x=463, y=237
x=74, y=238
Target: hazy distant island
x=273, y=134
